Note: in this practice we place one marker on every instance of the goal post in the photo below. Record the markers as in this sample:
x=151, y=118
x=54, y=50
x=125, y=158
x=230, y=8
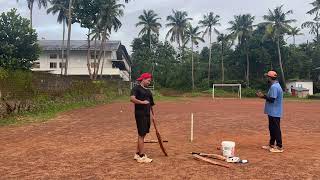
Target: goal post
x=226, y=85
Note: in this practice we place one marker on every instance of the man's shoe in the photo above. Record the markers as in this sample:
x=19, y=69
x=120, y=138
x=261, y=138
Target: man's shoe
x=268, y=147
x=136, y=156
x=276, y=150
x=144, y=159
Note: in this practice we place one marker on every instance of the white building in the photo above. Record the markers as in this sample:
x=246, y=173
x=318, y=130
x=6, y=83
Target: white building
x=302, y=84
x=117, y=62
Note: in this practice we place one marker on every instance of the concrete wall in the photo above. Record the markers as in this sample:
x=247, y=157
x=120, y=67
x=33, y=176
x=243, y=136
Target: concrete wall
x=308, y=85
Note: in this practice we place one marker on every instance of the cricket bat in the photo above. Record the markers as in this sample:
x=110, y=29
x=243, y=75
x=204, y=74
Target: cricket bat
x=154, y=141
x=210, y=161
x=215, y=156
x=159, y=138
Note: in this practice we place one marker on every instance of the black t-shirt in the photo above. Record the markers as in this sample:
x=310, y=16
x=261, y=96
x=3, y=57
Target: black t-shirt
x=142, y=94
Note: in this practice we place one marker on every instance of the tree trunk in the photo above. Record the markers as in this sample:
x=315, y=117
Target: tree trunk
x=280, y=63
x=89, y=56
x=152, y=60
x=102, y=47
x=179, y=44
x=222, y=63
x=210, y=54
x=31, y=11
x=180, y=41
x=62, y=49
x=95, y=71
x=317, y=34
x=192, y=65
x=248, y=68
x=104, y=56
x=69, y=37
x=150, y=42
x=294, y=40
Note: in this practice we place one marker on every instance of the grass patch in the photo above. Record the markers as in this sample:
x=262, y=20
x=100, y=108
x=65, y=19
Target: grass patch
x=48, y=112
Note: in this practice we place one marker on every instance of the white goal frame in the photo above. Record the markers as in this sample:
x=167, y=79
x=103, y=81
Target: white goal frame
x=227, y=85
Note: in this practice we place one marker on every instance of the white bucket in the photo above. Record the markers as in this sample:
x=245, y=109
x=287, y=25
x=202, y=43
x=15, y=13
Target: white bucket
x=228, y=148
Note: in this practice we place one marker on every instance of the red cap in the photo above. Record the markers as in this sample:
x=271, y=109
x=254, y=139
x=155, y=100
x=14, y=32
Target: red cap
x=271, y=74
x=144, y=76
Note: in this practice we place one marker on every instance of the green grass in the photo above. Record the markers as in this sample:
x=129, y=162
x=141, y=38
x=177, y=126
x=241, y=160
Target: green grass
x=44, y=114
x=52, y=110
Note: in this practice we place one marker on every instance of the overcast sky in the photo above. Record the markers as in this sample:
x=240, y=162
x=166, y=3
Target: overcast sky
x=48, y=28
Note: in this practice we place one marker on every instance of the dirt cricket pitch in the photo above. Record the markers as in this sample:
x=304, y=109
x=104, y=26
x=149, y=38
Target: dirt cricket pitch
x=99, y=143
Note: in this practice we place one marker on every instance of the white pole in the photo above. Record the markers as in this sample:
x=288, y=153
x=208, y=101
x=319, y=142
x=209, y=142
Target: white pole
x=213, y=91
x=191, y=133
x=240, y=90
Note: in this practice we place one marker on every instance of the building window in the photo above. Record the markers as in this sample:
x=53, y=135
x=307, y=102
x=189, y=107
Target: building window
x=53, y=65
x=36, y=65
x=93, y=65
x=62, y=65
x=64, y=56
x=53, y=56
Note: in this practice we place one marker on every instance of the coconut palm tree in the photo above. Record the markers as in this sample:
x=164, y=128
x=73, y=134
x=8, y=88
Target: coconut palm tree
x=241, y=29
x=316, y=7
x=69, y=37
x=193, y=35
x=149, y=22
x=96, y=35
x=60, y=7
x=224, y=40
x=209, y=22
x=110, y=12
x=86, y=14
x=277, y=24
x=294, y=31
x=41, y=3
x=314, y=27
x=178, y=23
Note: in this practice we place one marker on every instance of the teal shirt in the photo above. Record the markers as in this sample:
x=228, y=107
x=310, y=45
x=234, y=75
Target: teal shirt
x=275, y=109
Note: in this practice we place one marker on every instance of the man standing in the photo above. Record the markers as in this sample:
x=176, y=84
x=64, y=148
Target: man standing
x=273, y=108
x=143, y=102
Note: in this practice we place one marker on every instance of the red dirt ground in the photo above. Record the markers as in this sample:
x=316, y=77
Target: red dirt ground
x=99, y=143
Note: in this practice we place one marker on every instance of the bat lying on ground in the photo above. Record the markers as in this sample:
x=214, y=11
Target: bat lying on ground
x=215, y=156
x=209, y=161
x=154, y=141
x=159, y=138
x=229, y=159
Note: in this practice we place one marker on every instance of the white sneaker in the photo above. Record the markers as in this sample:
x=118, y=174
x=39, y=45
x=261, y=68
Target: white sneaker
x=268, y=147
x=144, y=159
x=276, y=150
x=136, y=156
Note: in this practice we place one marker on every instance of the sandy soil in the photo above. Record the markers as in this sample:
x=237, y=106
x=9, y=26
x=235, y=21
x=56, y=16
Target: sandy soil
x=99, y=143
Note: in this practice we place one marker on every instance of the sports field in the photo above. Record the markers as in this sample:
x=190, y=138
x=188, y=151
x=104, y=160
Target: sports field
x=99, y=143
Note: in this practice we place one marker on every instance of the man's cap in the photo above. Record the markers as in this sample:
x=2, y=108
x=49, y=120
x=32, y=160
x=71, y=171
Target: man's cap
x=144, y=76
x=271, y=74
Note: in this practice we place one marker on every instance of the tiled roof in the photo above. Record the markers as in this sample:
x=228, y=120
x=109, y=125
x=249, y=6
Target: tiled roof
x=77, y=45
